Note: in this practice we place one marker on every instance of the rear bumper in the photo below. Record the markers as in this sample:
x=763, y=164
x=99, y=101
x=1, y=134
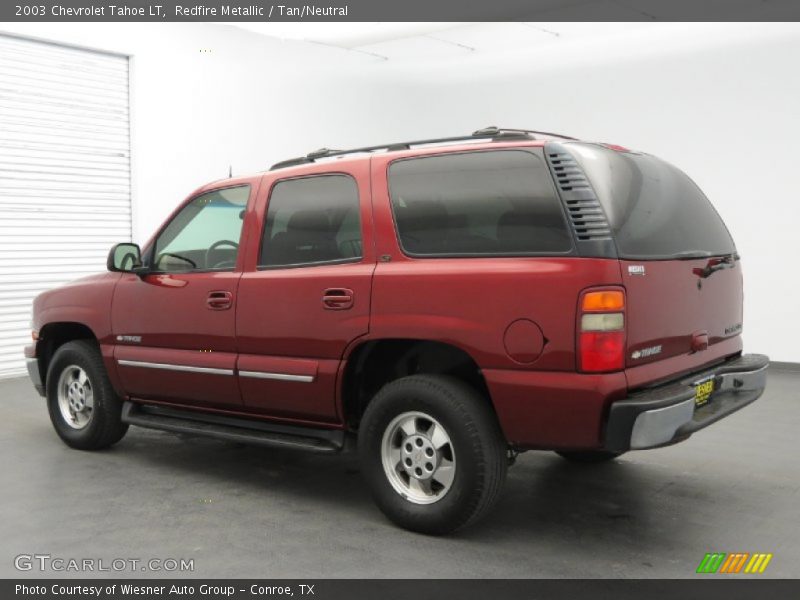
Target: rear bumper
x=667, y=414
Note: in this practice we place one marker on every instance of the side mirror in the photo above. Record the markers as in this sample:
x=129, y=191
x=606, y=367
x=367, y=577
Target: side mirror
x=124, y=258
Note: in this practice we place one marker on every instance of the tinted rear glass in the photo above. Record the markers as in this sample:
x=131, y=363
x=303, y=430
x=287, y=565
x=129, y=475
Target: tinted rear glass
x=310, y=221
x=477, y=203
x=654, y=209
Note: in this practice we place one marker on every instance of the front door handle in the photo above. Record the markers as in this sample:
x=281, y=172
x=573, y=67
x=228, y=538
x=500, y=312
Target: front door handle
x=337, y=299
x=219, y=300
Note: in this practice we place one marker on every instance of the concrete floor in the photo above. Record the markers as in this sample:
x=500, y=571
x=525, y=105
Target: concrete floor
x=253, y=512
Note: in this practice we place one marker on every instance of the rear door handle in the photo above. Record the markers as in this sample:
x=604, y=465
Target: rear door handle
x=337, y=299
x=219, y=300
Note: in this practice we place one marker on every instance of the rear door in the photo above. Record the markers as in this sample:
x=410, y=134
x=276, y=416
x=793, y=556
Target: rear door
x=305, y=295
x=679, y=265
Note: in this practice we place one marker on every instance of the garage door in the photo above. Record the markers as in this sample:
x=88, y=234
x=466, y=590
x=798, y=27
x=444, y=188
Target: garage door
x=64, y=174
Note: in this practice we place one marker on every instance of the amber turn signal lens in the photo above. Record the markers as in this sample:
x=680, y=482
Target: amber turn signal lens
x=608, y=300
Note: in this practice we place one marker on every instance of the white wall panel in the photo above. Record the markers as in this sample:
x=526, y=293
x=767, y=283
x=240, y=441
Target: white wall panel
x=65, y=194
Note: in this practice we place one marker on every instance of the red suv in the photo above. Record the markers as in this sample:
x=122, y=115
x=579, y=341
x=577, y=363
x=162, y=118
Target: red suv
x=447, y=303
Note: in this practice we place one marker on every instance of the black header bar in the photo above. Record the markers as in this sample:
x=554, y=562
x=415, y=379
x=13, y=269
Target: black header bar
x=399, y=10
x=705, y=587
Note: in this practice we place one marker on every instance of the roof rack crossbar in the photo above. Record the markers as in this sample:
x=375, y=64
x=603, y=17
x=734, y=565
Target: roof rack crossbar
x=495, y=133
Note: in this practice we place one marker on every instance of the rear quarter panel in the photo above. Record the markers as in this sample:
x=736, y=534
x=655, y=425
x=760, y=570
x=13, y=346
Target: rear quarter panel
x=470, y=303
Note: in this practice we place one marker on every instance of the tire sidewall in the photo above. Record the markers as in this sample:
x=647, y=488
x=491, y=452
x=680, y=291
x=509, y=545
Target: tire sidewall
x=449, y=512
x=78, y=355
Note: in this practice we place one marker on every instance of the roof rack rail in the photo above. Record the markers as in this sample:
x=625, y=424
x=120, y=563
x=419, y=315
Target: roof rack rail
x=499, y=132
x=495, y=133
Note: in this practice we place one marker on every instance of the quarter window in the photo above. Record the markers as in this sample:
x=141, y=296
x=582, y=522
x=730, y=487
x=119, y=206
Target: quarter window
x=499, y=202
x=205, y=234
x=312, y=220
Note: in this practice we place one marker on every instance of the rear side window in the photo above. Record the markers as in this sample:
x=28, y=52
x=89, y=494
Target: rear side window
x=499, y=202
x=310, y=221
x=654, y=209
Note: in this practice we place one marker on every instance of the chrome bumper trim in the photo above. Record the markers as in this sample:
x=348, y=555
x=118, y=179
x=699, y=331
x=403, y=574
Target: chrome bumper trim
x=33, y=372
x=660, y=426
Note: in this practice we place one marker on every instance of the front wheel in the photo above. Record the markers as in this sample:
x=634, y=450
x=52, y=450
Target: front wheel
x=84, y=409
x=432, y=453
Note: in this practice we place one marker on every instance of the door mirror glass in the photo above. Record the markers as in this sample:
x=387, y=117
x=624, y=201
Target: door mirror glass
x=124, y=258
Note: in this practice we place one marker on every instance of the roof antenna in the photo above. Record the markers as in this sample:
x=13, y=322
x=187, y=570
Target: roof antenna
x=230, y=171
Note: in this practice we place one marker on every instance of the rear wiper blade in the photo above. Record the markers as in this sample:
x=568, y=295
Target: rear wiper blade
x=690, y=254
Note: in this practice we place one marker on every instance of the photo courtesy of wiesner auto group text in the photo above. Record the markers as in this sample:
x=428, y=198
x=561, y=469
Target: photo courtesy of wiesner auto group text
x=387, y=299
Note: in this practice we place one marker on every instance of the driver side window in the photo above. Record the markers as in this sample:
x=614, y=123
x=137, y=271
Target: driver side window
x=205, y=234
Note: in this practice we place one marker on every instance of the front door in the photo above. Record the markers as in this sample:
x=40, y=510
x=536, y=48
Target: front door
x=306, y=295
x=175, y=327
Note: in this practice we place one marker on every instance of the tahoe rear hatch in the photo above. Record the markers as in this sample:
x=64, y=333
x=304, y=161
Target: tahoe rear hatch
x=678, y=262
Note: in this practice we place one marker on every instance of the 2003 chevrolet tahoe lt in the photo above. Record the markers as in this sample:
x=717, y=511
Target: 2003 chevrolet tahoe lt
x=447, y=303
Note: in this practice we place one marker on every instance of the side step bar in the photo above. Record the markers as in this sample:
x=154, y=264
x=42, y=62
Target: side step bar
x=233, y=429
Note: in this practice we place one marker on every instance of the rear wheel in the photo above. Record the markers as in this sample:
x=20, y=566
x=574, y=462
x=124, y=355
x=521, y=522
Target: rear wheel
x=588, y=456
x=432, y=453
x=84, y=409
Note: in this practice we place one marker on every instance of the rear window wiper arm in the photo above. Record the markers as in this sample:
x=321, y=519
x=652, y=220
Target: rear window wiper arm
x=714, y=265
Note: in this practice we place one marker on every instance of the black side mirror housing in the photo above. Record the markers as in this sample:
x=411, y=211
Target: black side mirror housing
x=124, y=258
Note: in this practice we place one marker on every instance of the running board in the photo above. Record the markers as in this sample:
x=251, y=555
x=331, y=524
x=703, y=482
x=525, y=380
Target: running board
x=233, y=429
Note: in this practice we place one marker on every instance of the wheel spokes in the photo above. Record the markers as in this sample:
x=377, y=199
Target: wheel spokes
x=408, y=427
x=75, y=396
x=418, y=457
x=438, y=436
x=444, y=475
x=395, y=457
x=422, y=487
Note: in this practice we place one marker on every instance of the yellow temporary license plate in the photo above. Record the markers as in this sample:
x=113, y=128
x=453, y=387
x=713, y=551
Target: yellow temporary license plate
x=702, y=391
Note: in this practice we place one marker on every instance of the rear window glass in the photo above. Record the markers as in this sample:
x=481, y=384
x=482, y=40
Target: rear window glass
x=477, y=203
x=654, y=209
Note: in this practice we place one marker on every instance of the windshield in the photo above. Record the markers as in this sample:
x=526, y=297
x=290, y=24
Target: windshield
x=654, y=209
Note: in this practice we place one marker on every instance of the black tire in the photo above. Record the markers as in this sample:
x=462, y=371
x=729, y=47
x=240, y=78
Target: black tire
x=475, y=438
x=104, y=427
x=588, y=456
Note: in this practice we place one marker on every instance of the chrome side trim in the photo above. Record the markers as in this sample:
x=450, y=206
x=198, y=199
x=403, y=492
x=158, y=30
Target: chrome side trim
x=278, y=376
x=168, y=367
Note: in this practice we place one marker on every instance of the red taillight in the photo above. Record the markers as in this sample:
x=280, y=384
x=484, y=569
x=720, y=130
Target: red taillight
x=601, y=330
x=602, y=350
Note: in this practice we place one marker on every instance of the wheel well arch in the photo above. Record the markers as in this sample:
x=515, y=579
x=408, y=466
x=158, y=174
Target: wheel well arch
x=374, y=363
x=54, y=335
